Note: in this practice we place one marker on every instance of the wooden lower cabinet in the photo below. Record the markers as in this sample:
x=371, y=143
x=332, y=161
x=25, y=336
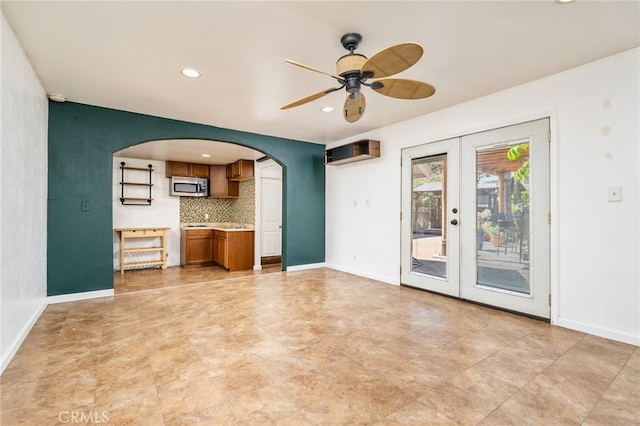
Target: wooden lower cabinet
x=220, y=248
x=232, y=250
x=239, y=250
x=197, y=247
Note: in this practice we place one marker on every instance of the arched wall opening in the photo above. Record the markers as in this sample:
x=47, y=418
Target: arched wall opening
x=166, y=210
x=82, y=140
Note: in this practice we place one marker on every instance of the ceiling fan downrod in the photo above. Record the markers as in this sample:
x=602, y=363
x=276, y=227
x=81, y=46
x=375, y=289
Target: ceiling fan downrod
x=351, y=41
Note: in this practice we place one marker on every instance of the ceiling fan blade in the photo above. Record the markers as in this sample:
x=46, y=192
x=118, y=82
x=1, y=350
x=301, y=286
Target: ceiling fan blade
x=311, y=98
x=354, y=107
x=402, y=88
x=307, y=67
x=393, y=60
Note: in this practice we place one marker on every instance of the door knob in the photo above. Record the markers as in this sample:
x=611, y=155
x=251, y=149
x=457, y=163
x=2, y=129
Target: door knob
x=454, y=222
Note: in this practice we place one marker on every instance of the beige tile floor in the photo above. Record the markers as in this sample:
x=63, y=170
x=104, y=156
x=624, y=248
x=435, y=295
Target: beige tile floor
x=311, y=347
x=146, y=279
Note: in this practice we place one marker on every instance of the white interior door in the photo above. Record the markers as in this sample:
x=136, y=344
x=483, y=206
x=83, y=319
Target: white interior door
x=271, y=217
x=475, y=217
x=430, y=232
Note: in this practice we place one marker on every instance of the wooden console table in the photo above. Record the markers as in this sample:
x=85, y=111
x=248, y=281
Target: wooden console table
x=126, y=233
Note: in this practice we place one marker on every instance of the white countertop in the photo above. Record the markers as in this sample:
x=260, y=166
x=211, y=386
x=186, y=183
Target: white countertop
x=220, y=226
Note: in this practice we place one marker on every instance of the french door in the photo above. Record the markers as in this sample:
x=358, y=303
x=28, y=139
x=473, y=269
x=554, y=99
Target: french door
x=430, y=206
x=475, y=217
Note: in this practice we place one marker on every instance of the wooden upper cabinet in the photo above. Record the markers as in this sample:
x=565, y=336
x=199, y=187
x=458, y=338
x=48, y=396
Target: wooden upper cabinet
x=177, y=168
x=180, y=168
x=219, y=186
x=200, y=170
x=240, y=170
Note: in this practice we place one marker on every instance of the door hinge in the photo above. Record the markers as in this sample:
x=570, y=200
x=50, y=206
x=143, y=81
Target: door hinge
x=549, y=299
x=549, y=135
x=549, y=217
x=400, y=270
x=400, y=216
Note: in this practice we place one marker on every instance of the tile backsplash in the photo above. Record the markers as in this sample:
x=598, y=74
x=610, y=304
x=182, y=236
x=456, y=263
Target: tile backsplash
x=193, y=209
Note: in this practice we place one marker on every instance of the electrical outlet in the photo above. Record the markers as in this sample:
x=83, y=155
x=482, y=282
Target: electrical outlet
x=614, y=193
x=206, y=216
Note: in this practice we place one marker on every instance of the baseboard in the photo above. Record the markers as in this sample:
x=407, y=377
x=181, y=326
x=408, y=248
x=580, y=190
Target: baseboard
x=305, y=267
x=63, y=298
x=270, y=260
x=599, y=331
x=17, y=342
x=359, y=273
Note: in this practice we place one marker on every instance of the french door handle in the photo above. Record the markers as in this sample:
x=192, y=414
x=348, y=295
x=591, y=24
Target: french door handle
x=454, y=222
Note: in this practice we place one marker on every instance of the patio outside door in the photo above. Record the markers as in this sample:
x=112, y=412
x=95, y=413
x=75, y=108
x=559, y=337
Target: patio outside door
x=495, y=223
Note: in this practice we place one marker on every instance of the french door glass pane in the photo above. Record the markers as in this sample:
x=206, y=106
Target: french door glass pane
x=428, y=216
x=502, y=230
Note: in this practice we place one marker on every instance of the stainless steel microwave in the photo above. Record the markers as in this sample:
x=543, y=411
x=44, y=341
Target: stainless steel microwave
x=189, y=186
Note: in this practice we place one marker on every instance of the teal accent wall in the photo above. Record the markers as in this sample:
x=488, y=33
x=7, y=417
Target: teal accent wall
x=82, y=140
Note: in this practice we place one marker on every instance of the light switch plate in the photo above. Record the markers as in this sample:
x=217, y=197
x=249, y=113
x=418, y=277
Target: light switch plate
x=614, y=193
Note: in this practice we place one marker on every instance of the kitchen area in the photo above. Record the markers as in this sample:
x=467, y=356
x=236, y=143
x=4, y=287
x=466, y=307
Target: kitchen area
x=177, y=221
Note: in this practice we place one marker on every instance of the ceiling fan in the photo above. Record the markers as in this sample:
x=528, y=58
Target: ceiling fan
x=355, y=70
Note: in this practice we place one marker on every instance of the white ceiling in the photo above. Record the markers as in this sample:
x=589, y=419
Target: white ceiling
x=190, y=150
x=128, y=55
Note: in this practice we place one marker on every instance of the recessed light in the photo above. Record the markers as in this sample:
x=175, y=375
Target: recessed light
x=564, y=1
x=206, y=155
x=190, y=72
x=327, y=109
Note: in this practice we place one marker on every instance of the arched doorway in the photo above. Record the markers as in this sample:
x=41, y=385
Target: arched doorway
x=82, y=140
x=166, y=210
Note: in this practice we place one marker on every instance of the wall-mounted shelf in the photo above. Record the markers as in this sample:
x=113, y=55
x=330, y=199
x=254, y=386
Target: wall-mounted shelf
x=135, y=201
x=354, y=151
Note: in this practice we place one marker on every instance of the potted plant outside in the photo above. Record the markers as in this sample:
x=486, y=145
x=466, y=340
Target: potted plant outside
x=493, y=230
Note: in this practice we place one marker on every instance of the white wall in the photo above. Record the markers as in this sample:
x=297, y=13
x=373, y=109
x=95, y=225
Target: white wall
x=23, y=214
x=594, y=112
x=163, y=211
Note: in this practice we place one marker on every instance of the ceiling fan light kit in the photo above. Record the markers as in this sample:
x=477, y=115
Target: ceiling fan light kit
x=354, y=71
